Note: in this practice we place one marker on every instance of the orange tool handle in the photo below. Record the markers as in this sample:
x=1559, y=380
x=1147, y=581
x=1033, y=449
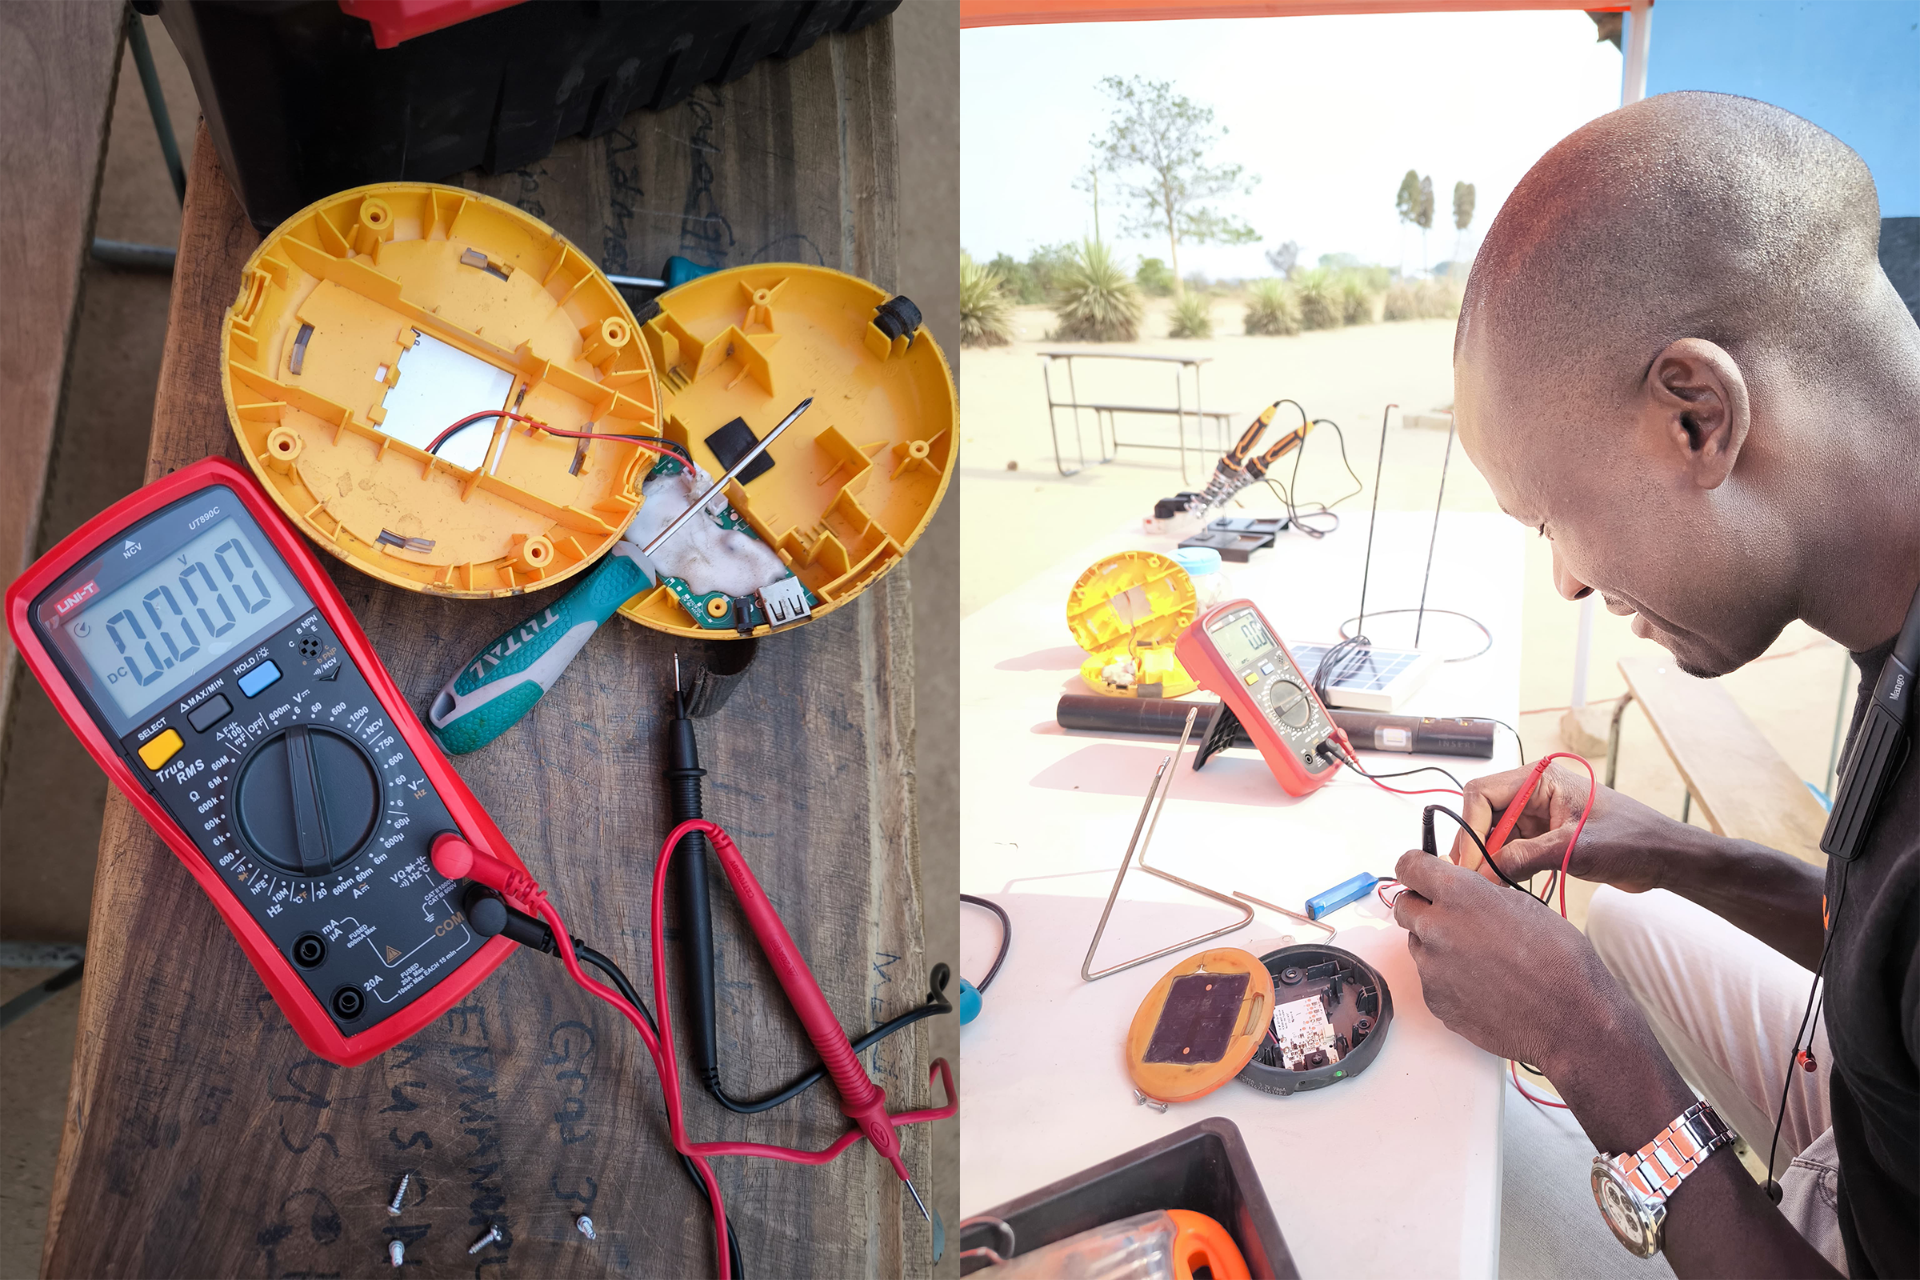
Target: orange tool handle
x=1201, y=1243
x=1285, y=445
x=1236, y=457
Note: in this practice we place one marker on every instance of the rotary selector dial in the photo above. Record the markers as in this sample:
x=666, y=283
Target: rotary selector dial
x=1291, y=706
x=306, y=799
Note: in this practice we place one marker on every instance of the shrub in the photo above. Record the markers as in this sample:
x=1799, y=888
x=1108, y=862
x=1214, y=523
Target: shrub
x=1192, y=316
x=1356, y=300
x=1154, y=278
x=1423, y=300
x=1318, y=298
x=986, y=313
x=1271, y=308
x=1097, y=301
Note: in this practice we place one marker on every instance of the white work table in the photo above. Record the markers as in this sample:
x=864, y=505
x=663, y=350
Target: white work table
x=1394, y=1172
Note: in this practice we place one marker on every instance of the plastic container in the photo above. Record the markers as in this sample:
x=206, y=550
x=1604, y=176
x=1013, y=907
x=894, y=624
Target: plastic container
x=1126, y=611
x=1210, y=585
x=1168, y=1245
x=301, y=102
x=1203, y=1167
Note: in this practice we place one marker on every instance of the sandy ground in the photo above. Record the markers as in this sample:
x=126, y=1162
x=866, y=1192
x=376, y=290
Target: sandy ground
x=1020, y=514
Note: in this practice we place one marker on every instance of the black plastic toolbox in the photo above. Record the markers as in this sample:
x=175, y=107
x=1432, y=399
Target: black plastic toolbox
x=1204, y=1168
x=300, y=103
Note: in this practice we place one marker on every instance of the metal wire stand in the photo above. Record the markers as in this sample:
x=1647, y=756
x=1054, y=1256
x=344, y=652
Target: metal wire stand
x=1150, y=819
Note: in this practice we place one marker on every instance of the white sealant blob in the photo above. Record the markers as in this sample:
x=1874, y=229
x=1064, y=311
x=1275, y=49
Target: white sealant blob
x=703, y=555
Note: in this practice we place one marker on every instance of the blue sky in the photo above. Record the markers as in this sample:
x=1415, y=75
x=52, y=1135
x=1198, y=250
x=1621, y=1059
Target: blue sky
x=1330, y=112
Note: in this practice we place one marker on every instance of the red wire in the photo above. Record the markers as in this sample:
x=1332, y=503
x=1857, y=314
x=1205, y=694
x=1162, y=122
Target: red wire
x=1514, y=1071
x=661, y=1049
x=1593, y=787
x=665, y=449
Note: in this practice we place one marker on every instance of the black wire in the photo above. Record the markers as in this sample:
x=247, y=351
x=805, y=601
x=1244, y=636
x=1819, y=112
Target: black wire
x=1405, y=773
x=1006, y=925
x=1332, y=663
x=936, y=1003
x=737, y=1269
x=1295, y=515
x=1510, y=729
x=1381, y=613
x=1786, y=1086
x=674, y=447
x=1481, y=845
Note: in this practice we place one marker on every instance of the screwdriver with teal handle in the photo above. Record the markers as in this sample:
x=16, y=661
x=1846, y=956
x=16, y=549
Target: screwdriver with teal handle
x=489, y=694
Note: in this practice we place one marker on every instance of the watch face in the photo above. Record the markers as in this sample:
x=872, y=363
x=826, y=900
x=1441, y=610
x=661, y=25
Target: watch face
x=1622, y=1210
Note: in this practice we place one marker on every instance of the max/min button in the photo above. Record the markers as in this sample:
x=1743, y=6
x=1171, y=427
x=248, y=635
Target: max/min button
x=210, y=713
x=161, y=749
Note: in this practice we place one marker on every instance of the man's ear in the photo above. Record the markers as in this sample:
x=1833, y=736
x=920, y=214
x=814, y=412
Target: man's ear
x=1695, y=403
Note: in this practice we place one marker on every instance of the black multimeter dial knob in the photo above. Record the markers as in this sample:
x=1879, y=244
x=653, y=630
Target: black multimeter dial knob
x=306, y=799
x=1290, y=704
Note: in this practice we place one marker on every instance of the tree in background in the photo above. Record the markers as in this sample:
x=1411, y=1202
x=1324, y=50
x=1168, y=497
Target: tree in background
x=1088, y=179
x=1423, y=217
x=1154, y=278
x=1406, y=203
x=1462, y=214
x=1168, y=136
x=1284, y=259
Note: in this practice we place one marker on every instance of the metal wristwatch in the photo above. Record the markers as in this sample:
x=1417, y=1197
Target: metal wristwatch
x=1632, y=1188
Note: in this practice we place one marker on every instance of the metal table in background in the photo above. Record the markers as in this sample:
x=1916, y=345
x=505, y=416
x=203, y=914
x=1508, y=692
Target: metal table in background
x=1045, y=819
x=202, y=1139
x=1106, y=428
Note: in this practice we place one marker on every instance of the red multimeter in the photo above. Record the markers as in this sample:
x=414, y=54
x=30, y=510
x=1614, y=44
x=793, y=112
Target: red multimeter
x=193, y=642
x=1231, y=651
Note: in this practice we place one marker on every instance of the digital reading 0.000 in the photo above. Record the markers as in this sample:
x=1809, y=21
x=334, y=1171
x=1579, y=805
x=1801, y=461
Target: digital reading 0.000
x=177, y=617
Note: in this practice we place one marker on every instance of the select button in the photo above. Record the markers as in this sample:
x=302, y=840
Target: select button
x=210, y=713
x=259, y=678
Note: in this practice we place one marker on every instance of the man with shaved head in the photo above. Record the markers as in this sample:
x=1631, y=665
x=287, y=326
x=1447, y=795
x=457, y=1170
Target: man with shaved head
x=1679, y=360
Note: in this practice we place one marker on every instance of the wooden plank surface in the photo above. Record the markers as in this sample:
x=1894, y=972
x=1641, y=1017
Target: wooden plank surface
x=57, y=65
x=1742, y=785
x=202, y=1139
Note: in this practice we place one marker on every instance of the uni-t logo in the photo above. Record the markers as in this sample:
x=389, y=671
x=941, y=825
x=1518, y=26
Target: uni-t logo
x=66, y=605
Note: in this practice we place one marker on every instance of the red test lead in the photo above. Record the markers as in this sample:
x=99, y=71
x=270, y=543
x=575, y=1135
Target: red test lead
x=860, y=1099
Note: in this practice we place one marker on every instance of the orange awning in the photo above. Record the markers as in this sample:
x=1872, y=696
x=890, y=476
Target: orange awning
x=1015, y=13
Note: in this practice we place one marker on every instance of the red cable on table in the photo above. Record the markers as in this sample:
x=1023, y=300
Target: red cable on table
x=860, y=1099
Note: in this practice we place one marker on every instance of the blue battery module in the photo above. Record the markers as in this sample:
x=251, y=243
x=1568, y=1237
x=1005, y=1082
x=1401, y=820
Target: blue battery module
x=1331, y=900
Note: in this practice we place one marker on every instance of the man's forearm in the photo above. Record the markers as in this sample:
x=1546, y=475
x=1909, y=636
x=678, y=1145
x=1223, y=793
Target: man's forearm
x=1623, y=1091
x=1761, y=891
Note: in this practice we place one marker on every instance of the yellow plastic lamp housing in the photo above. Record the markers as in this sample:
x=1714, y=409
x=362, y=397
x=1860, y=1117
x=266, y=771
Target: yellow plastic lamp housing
x=1126, y=611
x=854, y=480
x=372, y=320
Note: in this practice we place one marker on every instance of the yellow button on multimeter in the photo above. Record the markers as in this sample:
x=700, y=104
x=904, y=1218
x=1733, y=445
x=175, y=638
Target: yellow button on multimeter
x=161, y=749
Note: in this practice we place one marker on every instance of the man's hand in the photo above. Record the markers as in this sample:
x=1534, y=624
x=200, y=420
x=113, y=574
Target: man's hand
x=1500, y=969
x=1623, y=844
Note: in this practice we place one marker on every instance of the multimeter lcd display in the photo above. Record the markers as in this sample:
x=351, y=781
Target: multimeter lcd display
x=176, y=620
x=1240, y=639
x=174, y=599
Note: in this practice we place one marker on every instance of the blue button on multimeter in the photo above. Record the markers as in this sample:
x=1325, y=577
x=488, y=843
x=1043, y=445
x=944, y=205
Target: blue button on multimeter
x=259, y=678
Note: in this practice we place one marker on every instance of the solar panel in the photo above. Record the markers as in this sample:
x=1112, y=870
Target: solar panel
x=1370, y=679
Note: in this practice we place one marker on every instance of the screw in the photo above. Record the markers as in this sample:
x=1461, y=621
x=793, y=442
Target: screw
x=399, y=1196
x=396, y=1251
x=493, y=1233
x=585, y=1226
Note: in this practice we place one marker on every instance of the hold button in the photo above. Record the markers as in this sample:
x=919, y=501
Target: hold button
x=259, y=678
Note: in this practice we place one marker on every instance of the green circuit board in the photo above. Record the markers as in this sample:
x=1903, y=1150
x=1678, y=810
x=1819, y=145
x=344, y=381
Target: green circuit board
x=741, y=613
